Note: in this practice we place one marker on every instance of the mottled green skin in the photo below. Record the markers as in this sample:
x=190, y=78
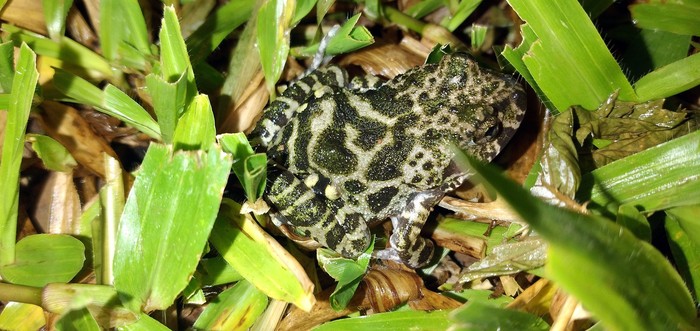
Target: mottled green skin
x=345, y=157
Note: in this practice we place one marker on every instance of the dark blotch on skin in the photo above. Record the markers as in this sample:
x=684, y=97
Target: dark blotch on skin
x=377, y=201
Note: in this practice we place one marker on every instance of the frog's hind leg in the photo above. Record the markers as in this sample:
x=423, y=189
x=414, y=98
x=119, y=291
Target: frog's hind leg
x=406, y=243
x=295, y=99
x=316, y=216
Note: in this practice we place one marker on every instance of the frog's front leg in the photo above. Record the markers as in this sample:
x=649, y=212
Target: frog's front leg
x=315, y=215
x=406, y=243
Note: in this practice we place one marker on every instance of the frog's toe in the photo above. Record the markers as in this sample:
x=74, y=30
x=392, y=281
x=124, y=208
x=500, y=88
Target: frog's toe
x=387, y=254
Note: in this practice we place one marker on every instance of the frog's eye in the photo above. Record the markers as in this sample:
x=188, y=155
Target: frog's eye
x=492, y=132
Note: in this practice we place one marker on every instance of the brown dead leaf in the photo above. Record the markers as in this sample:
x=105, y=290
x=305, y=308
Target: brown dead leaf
x=57, y=208
x=28, y=14
x=386, y=60
x=65, y=124
x=381, y=290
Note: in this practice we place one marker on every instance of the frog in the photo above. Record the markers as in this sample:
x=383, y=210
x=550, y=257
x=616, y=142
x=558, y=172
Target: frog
x=346, y=154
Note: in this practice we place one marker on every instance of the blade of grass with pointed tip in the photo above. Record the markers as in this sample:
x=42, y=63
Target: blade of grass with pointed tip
x=45, y=258
x=23, y=85
x=236, y=308
x=174, y=59
x=166, y=221
x=118, y=104
x=625, y=270
x=55, y=12
x=259, y=258
x=350, y=37
x=569, y=60
x=670, y=79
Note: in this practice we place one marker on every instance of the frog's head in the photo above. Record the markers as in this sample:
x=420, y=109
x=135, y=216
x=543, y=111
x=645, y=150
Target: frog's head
x=489, y=104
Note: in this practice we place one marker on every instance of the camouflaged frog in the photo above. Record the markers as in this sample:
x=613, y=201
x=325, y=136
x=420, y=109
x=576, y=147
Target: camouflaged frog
x=344, y=156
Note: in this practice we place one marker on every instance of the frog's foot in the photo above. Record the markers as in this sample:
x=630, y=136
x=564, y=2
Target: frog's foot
x=320, y=55
x=407, y=244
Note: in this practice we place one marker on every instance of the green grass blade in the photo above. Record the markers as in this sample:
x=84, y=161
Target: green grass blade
x=422, y=8
x=249, y=168
x=165, y=224
x=112, y=201
x=118, y=104
x=55, y=12
x=683, y=233
x=273, y=23
x=102, y=301
x=23, y=85
x=660, y=177
x=77, y=89
x=670, y=80
x=66, y=50
x=122, y=23
x=393, y=321
x=168, y=103
x=174, y=59
x=54, y=156
x=21, y=317
x=259, y=258
x=587, y=249
x=569, y=60
x=112, y=101
x=236, y=308
x=348, y=273
x=515, y=58
x=195, y=129
x=350, y=37
x=478, y=315
x=681, y=18
x=7, y=67
x=145, y=323
x=78, y=319
x=41, y=259
x=217, y=27
x=465, y=8
x=661, y=48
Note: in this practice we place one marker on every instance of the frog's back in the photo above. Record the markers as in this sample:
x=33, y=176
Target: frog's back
x=380, y=146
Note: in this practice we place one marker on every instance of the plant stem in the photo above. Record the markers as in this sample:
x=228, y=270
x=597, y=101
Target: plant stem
x=20, y=293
